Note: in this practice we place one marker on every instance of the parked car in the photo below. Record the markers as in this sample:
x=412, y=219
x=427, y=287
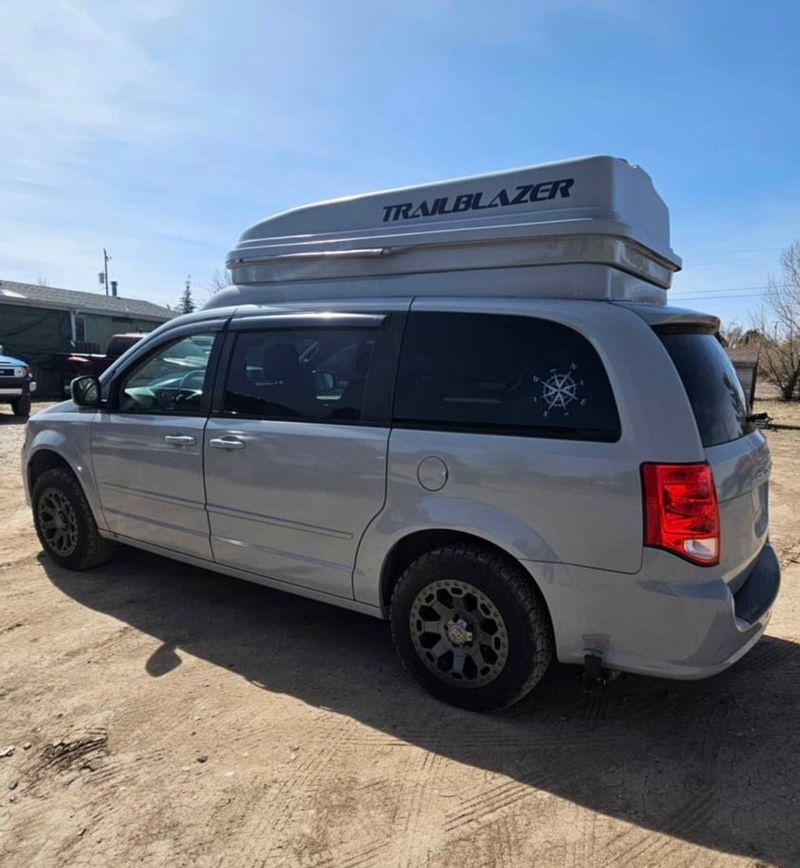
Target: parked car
x=16, y=384
x=466, y=408
x=95, y=363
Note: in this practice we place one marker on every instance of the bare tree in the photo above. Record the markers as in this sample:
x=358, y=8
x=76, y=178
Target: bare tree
x=779, y=322
x=735, y=335
x=731, y=334
x=219, y=280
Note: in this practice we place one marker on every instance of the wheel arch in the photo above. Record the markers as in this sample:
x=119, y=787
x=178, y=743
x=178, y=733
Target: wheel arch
x=412, y=546
x=46, y=457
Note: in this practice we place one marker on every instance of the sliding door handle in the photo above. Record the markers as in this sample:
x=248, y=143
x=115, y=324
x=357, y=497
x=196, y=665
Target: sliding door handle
x=225, y=443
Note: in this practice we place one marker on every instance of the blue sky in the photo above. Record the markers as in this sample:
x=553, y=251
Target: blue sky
x=162, y=128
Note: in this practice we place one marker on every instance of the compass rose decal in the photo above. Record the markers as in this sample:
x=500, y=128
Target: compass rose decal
x=559, y=389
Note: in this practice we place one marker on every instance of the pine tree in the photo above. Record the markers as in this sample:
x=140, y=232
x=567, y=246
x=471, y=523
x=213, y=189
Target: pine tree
x=186, y=304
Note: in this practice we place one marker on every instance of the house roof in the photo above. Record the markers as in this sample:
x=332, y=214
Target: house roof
x=34, y=295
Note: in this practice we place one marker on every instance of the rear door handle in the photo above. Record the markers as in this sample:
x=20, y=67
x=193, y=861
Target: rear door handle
x=225, y=443
x=180, y=439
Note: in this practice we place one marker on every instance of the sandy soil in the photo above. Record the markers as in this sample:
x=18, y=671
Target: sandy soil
x=163, y=715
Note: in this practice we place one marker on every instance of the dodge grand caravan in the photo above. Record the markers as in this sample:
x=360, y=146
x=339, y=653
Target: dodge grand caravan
x=486, y=426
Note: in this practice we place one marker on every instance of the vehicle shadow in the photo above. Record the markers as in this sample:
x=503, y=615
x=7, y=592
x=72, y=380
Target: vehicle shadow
x=11, y=419
x=715, y=763
x=8, y=418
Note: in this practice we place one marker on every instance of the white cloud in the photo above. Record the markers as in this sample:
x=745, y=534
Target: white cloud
x=66, y=80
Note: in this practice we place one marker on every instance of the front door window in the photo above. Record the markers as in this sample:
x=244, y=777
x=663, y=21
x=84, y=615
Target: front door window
x=171, y=381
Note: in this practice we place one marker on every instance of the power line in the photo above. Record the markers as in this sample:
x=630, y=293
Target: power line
x=714, y=297
x=723, y=289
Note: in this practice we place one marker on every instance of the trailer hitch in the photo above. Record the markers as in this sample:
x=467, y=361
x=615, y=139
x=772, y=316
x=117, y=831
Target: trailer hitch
x=595, y=676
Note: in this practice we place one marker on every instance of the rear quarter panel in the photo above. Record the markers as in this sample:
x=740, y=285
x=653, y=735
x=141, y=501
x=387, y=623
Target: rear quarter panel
x=540, y=499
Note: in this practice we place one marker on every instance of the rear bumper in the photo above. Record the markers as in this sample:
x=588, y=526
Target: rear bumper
x=758, y=593
x=661, y=621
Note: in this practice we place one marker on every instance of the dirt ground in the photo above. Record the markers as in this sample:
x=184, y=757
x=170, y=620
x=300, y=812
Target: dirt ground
x=164, y=715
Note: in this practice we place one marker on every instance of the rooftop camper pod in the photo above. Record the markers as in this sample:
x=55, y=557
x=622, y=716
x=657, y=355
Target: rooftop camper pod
x=588, y=228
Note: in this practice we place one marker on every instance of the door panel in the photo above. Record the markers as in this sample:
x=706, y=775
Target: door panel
x=151, y=488
x=295, y=452
x=147, y=447
x=294, y=502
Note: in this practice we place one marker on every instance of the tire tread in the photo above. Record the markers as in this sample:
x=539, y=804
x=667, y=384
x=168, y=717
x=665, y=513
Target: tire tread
x=527, y=595
x=94, y=549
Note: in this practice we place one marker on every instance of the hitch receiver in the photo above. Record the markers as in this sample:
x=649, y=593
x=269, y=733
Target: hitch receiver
x=595, y=676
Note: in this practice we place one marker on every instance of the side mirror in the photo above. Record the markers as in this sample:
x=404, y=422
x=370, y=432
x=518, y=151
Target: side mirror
x=85, y=391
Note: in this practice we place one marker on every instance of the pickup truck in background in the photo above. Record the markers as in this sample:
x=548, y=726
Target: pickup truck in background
x=94, y=364
x=16, y=384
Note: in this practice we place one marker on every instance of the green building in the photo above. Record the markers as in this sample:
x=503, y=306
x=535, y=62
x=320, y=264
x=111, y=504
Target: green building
x=42, y=325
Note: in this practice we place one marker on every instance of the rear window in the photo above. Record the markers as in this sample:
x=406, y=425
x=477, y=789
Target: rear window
x=714, y=391
x=503, y=374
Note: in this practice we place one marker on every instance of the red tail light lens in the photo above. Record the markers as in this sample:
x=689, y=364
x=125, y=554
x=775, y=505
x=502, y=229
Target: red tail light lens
x=681, y=513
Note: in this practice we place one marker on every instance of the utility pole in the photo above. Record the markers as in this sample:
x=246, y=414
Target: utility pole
x=106, y=259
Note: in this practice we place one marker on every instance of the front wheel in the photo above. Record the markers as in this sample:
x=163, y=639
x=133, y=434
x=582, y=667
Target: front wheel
x=21, y=406
x=64, y=521
x=471, y=627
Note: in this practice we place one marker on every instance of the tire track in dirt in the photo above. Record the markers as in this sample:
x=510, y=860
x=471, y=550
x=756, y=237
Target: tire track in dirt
x=562, y=769
x=579, y=851
x=415, y=841
x=371, y=855
x=66, y=754
x=123, y=640
x=122, y=771
x=483, y=807
x=769, y=654
x=497, y=843
x=302, y=780
x=654, y=848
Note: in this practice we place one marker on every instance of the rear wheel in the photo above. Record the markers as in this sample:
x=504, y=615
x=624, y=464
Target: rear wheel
x=21, y=406
x=64, y=522
x=472, y=627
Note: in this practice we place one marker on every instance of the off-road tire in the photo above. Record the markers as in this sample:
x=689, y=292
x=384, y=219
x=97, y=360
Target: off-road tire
x=91, y=549
x=512, y=591
x=21, y=406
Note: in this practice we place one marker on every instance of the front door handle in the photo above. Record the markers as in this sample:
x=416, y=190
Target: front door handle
x=180, y=439
x=225, y=443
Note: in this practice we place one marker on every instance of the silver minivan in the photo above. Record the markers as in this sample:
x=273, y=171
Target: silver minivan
x=483, y=424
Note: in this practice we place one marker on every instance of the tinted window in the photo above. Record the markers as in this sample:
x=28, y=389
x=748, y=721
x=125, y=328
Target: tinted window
x=171, y=380
x=714, y=390
x=307, y=374
x=512, y=374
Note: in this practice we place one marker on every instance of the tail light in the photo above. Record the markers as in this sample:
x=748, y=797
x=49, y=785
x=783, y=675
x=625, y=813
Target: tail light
x=681, y=513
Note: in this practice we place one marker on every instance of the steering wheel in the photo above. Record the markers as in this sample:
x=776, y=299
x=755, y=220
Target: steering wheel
x=186, y=381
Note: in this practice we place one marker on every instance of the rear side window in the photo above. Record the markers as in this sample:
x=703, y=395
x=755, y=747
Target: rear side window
x=503, y=374
x=300, y=375
x=711, y=383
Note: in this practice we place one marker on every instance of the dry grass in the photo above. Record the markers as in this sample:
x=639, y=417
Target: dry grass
x=781, y=412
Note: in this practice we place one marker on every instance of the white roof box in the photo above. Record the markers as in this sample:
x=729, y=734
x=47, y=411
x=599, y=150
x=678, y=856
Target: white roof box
x=586, y=228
